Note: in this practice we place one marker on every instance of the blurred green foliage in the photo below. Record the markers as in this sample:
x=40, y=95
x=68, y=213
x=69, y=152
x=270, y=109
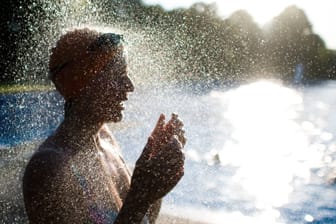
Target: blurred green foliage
x=14, y=88
x=208, y=47
x=204, y=46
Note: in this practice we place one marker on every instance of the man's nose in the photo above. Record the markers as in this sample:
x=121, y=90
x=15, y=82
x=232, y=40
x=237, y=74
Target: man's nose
x=128, y=84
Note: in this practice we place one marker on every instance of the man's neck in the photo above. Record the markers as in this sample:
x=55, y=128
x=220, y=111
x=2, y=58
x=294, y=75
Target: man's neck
x=77, y=131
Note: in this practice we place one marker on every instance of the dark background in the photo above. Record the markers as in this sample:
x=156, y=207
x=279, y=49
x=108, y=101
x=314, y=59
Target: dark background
x=204, y=46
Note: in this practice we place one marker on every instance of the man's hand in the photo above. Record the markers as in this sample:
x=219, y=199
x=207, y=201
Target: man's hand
x=160, y=166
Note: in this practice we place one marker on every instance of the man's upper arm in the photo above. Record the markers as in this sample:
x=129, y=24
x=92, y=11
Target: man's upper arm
x=44, y=188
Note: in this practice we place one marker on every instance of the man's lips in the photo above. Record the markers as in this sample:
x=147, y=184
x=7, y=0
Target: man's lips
x=121, y=105
x=120, y=101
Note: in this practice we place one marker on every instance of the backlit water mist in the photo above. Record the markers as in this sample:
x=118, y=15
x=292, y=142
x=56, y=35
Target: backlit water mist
x=257, y=153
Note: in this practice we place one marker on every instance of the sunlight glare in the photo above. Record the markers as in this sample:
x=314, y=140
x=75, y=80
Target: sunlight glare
x=267, y=144
x=262, y=11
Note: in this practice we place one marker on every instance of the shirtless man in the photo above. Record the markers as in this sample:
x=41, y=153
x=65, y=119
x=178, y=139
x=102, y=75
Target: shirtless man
x=77, y=175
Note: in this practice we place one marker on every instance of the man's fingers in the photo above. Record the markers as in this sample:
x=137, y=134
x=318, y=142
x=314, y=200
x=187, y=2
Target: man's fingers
x=173, y=120
x=174, y=126
x=178, y=123
x=182, y=138
x=174, y=143
x=159, y=124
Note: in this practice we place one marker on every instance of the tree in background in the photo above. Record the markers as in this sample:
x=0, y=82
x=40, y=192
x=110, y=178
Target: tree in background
x=208, y=48
x=291, y=41
x=195, y=43
x=244, y=44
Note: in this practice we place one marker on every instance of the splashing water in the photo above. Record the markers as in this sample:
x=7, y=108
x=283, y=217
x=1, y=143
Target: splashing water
x=258, y=153
x=52, y=19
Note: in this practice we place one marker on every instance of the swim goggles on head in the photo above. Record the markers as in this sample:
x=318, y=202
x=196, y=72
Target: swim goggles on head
x=106, y=40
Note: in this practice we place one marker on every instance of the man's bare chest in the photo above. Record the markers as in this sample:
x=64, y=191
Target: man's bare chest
x=102, y=175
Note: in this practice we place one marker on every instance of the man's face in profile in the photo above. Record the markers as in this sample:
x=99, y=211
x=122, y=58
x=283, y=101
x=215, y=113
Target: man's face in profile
x=110, y=90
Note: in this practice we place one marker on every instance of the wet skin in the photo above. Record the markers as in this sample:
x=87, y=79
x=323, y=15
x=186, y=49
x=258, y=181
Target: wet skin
x=82, y=148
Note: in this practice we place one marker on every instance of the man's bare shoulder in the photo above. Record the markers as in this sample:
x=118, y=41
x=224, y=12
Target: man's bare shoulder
x=46, y=156
x=45, y=164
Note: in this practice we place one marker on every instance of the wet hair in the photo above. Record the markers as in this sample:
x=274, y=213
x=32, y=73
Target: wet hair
x=79, y=56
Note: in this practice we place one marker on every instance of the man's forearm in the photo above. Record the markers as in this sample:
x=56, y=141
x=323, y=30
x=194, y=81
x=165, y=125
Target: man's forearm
x=133, y=210
x=154, y=210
